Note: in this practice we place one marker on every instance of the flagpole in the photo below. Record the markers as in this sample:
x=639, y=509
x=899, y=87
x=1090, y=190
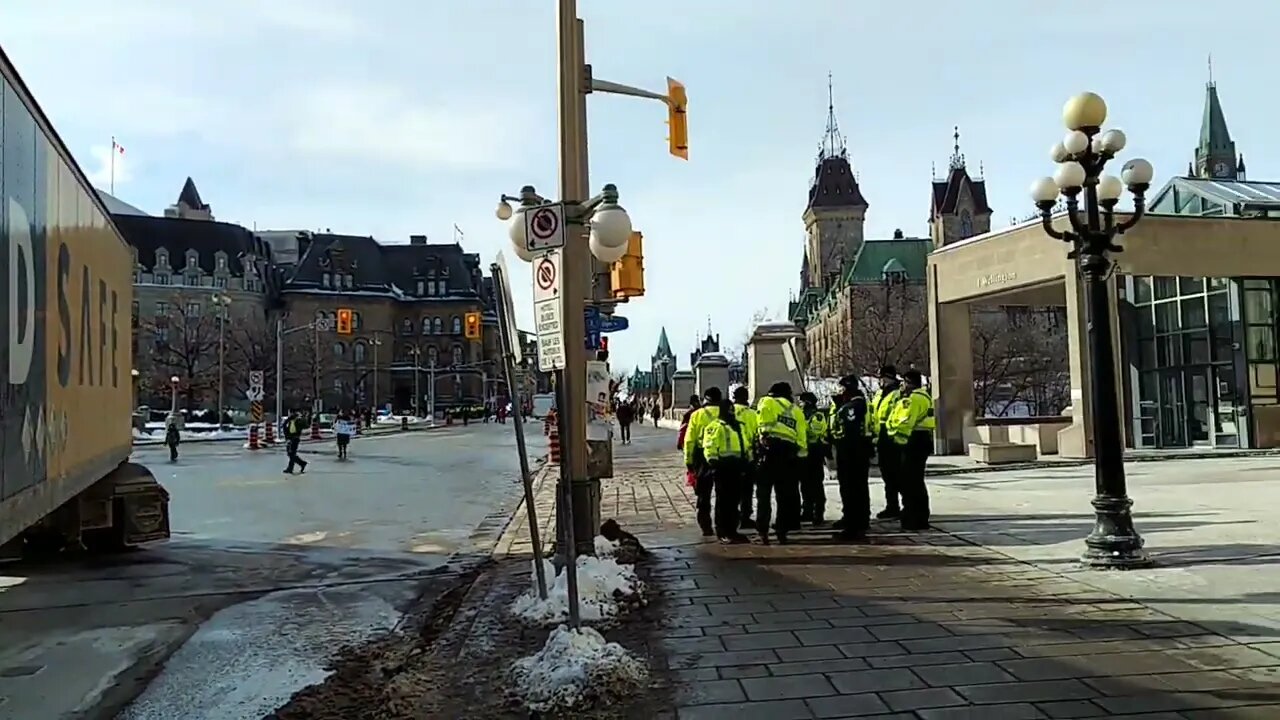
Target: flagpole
x=113, y=164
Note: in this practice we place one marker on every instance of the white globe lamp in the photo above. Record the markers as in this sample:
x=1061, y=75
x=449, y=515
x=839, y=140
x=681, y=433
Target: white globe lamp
x=605, y=253
x=1109, y=188
x=611, y=227
x=1070, y=176
x=1058, y=153
x=1113, y=141
x=1044, y=190
x=504, y=210
x=1137, y=172
x=516, y=230
x=1075, y=142
x=1086, y=110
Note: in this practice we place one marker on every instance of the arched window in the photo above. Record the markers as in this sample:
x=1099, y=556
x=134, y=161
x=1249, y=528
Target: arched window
x=457, y=325
x=426, y=326
x=966, y=224
x=457, y=355
x=437, y=326
x=358, y=351
x=355, y=321
x=433, y=357
x=339, y=349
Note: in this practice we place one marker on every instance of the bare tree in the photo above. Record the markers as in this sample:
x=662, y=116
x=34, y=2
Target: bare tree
x=183, y=341
x=888, y=324
x=251, y=345
x=1020, y=361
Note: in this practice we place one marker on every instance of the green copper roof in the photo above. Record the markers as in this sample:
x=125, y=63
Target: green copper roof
x=875, y=257
x=664, y=345
x=1214, y=136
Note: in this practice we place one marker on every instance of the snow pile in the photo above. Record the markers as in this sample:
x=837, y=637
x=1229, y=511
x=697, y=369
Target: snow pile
x=605, y=589
x=156, y=437
x=605, y=547
x=397, y=419
x=576, y=669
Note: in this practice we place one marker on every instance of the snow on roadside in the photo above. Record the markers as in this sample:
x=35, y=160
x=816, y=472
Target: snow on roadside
x=605, y=547
x=605, y=588
x=577, y=669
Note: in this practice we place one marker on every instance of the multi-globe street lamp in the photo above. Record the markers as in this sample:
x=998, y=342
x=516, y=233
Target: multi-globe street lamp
x=173, y=399
x=1081, y=156
x=221, y=302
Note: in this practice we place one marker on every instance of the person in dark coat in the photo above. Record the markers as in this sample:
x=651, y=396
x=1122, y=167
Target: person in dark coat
x=626, y=415
x=292, y=439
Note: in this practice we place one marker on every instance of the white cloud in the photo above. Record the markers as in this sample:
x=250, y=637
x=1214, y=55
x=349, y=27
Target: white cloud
x=108, y=163
x=383, y=124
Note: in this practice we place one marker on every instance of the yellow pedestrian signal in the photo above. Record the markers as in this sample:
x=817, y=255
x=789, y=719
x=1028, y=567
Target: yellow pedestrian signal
x=471, y=326
x=677, y=121
x=344, y=321
x=627, y=274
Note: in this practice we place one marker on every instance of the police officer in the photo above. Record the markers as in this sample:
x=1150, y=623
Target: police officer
x=782, y=436
x=911, y=426
x=813, y=497
x=882, y=403
x=704, y=482
x=750, y=429
x=724, y=450
x=853, y=440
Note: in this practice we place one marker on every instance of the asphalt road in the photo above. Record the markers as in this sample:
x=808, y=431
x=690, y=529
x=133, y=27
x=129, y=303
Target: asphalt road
x=267, y=576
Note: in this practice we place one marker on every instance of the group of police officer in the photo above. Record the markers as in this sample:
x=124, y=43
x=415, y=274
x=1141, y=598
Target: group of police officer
x=781, y=446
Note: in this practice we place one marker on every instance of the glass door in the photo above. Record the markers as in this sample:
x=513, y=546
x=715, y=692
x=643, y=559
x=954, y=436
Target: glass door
x=1227, y=409
x=1201, y=408
x=1173, y=409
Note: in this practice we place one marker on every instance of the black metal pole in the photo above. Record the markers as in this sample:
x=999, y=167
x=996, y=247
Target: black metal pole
x=1114, y=542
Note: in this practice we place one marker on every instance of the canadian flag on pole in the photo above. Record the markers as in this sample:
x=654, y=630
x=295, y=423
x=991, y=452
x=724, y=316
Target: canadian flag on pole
x=116, y=147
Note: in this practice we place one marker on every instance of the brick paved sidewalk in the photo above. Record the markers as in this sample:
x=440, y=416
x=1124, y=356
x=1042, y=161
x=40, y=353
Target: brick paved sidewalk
x=912, y=627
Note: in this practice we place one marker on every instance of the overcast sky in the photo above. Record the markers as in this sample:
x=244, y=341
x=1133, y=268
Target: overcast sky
x=399, y=117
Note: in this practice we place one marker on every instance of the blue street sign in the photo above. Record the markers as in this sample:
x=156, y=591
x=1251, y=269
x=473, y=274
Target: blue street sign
x=614, y=323
x=591, y=311
x=593, y=340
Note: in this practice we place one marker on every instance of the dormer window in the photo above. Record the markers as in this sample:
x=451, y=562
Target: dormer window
x=895, y=277
x=193, y=259
x=326, y=280
x=349, y=281
x=162, y=257
x=222, y=262
x=422, y=287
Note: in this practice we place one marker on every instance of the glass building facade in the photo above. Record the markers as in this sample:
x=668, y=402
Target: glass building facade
x=1202, y=359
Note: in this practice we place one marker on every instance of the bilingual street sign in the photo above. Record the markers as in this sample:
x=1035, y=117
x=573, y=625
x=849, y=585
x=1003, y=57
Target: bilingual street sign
x=548, y=320
x=256, y=381
x=544, y=227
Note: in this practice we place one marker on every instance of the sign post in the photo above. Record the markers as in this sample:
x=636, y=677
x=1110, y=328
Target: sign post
x=547, y=274
x=510, y=350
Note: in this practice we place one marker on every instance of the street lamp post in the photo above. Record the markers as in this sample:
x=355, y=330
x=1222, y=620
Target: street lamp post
x=376, y=342
x=417, y=367
x=222, y=302
x=133, y=374
x=173, y=399
x=1082, y=155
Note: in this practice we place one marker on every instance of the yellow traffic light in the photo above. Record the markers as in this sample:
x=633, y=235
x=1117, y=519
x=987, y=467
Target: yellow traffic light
x=627, y=274
x=471, y=326
x=677, y=120
x=344, y=321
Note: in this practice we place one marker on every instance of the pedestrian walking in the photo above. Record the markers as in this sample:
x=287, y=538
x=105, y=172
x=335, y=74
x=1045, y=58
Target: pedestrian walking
x=782, y=435
x=343, y=429
x=813, y=494
x=626, y=414
x=656, y=411
x=292, y=439
x=172, y=436
x=695, y=461
x=695, y=403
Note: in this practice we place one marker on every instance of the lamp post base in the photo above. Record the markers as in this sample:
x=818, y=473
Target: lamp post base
x=1114, y=543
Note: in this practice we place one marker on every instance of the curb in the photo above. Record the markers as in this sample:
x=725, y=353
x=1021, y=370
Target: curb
x=329, y=438
x=1081, y=462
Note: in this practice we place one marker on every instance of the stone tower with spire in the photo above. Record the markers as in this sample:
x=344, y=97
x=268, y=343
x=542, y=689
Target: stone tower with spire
x=1216, y=155
x=836, y=212
x=663, y=361
x=958, y=207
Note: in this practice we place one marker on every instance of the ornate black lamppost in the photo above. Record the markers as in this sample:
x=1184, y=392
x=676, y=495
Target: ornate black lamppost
x=1082, y=155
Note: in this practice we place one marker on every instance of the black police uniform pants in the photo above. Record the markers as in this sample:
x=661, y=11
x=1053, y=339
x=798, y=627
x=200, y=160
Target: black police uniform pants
x=746, y=491
x=915, y=494
x=813, y=496
x=725, y=476
x=853, y=468
x=890, y=459
x=779, y=474
x=291, y=449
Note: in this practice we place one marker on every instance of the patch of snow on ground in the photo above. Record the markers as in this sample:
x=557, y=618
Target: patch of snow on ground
x=605, y=587
x=577, y=669
x=605, y=547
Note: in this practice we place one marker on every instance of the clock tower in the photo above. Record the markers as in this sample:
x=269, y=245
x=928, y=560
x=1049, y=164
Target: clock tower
x=1216, y=156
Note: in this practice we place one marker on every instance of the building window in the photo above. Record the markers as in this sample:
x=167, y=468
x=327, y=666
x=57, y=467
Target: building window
x=457, y=325
x=162, y=257
x=358, y=351
x=162, y=278
x=162, y=308
x=193, y=280
x=222, y=262
x=220, y=281
x=457, y=355
x=326, y=280
x=339, y=349
x=406, y=327
x=433, y=356
x=426, y=326
x=422, y=287
x=348, y=281
x=966, y=224
x=356, y=321
x=193, y=310
x=895, y=277
x=437, y=326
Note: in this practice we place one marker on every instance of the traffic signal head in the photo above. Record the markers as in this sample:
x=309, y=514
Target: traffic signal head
x=471, y=326
x=344, y=321
x=627, y=274
x=677, y=120
x=602, y=354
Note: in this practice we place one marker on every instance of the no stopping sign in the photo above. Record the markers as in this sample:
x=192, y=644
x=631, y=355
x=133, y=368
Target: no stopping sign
x=544, y=227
